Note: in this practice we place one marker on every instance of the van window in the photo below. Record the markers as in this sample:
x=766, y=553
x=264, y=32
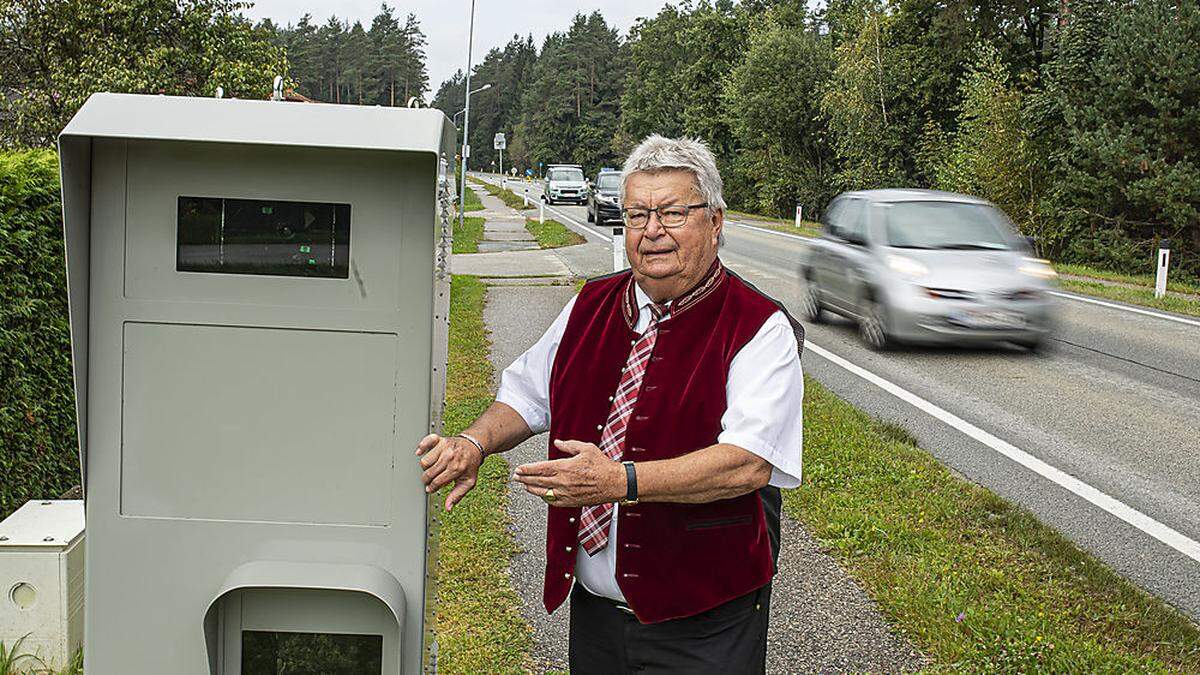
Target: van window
x=574, y=175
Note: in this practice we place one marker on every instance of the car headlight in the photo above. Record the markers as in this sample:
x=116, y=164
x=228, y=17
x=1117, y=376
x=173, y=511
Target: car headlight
x=1038, y=268
x=907, y=266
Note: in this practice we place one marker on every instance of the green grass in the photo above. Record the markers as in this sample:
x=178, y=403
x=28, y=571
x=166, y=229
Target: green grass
x=552, y=234
x=509, y=197
x=472, y=203
x=466, y=238
x=975, y=582
x=479, y=623
x=807, y=228
x=1133, y=296
x=1144, y=280
x=15, y=661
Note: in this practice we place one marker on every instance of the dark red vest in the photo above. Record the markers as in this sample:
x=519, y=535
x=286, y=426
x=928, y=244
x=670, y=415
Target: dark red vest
x=673, y=560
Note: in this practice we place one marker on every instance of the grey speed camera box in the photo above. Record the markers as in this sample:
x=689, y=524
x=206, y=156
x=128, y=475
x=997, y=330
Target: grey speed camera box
x=258, y=297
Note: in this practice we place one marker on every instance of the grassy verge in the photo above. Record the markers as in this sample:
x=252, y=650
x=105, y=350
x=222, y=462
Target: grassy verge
x=466, y=238
x=479, y=623
x=1133, y=296
x=807, y=228
x=509, y=197
x=472, y=203
x=977, y=583
x=552, y=234
x=1143, y=280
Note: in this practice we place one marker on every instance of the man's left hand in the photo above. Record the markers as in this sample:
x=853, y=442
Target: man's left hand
x=586, y=478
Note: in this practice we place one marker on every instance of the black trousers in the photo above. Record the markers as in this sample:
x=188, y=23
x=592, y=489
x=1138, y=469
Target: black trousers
x=729, y=638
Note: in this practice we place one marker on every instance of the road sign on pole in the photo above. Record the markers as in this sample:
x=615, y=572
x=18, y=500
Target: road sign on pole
x=499, y=143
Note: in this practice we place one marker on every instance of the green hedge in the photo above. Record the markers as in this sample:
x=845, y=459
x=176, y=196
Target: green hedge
x=38, y=457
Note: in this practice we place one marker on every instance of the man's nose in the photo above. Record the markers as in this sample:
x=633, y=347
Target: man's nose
x=654, y=226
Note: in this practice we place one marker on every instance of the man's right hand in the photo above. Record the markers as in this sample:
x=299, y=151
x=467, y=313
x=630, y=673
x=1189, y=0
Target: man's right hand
x=449, y=459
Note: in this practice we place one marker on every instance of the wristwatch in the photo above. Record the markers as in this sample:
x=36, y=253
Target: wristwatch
x=631, y=494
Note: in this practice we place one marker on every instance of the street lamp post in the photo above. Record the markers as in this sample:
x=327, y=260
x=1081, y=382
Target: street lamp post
x=462, y=193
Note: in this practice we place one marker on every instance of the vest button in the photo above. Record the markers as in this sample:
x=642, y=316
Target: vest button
x=567, y=575
x=570, y=520
x=610, y=399
x=568, y=549
x=599, y=427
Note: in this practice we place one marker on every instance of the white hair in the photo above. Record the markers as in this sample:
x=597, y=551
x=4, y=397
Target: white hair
x=659, y=153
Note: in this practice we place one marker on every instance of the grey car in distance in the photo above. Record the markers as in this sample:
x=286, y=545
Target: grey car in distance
x=929, y=267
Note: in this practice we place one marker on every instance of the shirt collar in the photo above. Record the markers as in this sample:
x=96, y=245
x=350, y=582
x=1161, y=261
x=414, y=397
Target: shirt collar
x=636, y=300
x=643, y=301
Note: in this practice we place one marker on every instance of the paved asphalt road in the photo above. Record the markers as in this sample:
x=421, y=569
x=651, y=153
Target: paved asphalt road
x=1111, y=410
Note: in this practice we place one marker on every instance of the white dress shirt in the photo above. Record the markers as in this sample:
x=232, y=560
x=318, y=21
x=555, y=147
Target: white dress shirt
x=763, y=392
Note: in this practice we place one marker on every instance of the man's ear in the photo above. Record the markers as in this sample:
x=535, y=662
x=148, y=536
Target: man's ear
x=718, y=220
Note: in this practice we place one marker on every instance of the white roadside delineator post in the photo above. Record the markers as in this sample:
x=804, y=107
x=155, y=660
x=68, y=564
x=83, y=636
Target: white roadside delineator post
x=541, y=212
x=618, y=248
x=799, y=214
x=1164, y=260
x=525, y=196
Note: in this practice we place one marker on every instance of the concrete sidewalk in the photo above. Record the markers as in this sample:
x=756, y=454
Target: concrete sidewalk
x=507, y=249
x=821, y=621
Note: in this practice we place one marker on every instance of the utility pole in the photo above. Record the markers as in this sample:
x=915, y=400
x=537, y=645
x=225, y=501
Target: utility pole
x=462, y=193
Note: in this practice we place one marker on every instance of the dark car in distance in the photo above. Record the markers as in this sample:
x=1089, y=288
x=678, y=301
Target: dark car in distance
x=604, y=199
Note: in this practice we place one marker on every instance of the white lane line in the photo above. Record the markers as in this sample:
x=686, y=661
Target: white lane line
x=589, y=228
x=1143, y=522
x=768, y=231
x=1135, y=310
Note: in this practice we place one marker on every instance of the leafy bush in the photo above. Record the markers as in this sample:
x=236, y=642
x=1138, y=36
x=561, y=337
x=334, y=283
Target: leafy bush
x=38, y=456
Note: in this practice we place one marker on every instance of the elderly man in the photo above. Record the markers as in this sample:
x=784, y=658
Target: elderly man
x=672, y=395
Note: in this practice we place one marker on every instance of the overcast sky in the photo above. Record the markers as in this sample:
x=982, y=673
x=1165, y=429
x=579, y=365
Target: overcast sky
x=445, y=21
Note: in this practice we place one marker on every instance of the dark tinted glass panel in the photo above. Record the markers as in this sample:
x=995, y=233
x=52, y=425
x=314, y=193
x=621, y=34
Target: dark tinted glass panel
x=257, y=236
x=268, y=653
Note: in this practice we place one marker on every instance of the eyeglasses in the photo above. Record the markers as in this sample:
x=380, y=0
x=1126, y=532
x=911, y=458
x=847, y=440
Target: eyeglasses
x=668, y=216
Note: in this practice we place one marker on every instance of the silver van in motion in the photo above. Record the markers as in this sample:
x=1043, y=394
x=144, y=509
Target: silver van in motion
x=565, y=183
x=927, y=266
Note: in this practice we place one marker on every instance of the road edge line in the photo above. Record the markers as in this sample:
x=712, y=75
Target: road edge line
x=1159, y=531
x=1136, y=310
x=768, y=230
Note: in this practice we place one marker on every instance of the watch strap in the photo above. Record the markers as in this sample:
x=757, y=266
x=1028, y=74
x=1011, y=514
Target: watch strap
x=631, y=490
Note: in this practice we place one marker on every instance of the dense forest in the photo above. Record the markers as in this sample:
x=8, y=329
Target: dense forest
x=53, y=55
x=1081, y=118
x=340, y=62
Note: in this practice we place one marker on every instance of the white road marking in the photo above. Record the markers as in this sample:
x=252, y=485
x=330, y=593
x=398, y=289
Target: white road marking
x=1160, y=531
x=1135, y=310
x=589, y=228
x=768, y=231
x=1143, y=522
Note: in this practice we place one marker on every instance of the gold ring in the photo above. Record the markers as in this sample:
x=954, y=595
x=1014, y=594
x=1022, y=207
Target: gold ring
x=549, y=496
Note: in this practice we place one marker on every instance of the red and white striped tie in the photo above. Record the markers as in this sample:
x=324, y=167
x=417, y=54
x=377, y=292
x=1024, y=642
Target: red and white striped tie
x=594, y=522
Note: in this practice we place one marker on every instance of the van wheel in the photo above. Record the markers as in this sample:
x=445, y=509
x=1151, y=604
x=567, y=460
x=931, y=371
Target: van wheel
x=872, y=325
